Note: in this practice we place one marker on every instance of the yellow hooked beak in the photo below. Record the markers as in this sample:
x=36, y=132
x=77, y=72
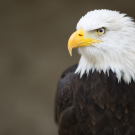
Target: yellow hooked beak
x=77, y=40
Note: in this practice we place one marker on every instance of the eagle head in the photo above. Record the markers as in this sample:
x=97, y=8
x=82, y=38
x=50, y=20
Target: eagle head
x=105, y=40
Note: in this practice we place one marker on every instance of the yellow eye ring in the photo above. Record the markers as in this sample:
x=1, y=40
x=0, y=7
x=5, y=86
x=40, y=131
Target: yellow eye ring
x=101, y=31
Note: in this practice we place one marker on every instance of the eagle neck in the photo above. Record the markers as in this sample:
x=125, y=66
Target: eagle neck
x=124, y=70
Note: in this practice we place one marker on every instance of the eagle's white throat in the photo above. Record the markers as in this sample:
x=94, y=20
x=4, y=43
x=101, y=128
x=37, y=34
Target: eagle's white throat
x=116, y=52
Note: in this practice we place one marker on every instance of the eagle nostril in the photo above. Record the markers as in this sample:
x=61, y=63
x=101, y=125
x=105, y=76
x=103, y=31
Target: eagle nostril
x=80, y=34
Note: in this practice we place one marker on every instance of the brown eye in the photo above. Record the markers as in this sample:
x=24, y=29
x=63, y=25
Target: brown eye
x=101, y=31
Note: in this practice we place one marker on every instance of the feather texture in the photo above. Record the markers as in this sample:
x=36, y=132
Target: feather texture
x=95, y=104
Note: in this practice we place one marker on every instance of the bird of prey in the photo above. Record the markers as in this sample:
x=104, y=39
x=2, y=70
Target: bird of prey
x=97, y=95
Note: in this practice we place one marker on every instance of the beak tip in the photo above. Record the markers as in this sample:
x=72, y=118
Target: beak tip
x=70, y=52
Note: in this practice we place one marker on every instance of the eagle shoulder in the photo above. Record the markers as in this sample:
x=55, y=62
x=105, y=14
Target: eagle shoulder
x=94, y=104
x=64, y=94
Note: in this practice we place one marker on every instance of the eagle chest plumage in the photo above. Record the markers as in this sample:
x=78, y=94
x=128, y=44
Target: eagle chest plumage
x=95, y=104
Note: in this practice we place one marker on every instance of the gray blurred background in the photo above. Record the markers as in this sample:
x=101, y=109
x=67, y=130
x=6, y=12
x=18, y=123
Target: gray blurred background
x=33, y=54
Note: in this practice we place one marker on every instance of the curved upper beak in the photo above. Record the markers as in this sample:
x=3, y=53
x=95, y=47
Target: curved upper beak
x=77, y=39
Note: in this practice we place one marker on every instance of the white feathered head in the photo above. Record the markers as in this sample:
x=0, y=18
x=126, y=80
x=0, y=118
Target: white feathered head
x=106, y=40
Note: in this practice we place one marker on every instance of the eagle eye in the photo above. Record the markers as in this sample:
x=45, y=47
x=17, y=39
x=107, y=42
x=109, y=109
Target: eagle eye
x=101, y=31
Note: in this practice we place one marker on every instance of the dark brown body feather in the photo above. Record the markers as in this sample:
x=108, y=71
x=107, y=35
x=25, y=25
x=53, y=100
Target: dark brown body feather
x=94, y=105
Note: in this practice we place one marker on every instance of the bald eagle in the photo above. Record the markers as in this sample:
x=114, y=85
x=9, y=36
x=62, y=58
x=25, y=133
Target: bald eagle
x=97, y=95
